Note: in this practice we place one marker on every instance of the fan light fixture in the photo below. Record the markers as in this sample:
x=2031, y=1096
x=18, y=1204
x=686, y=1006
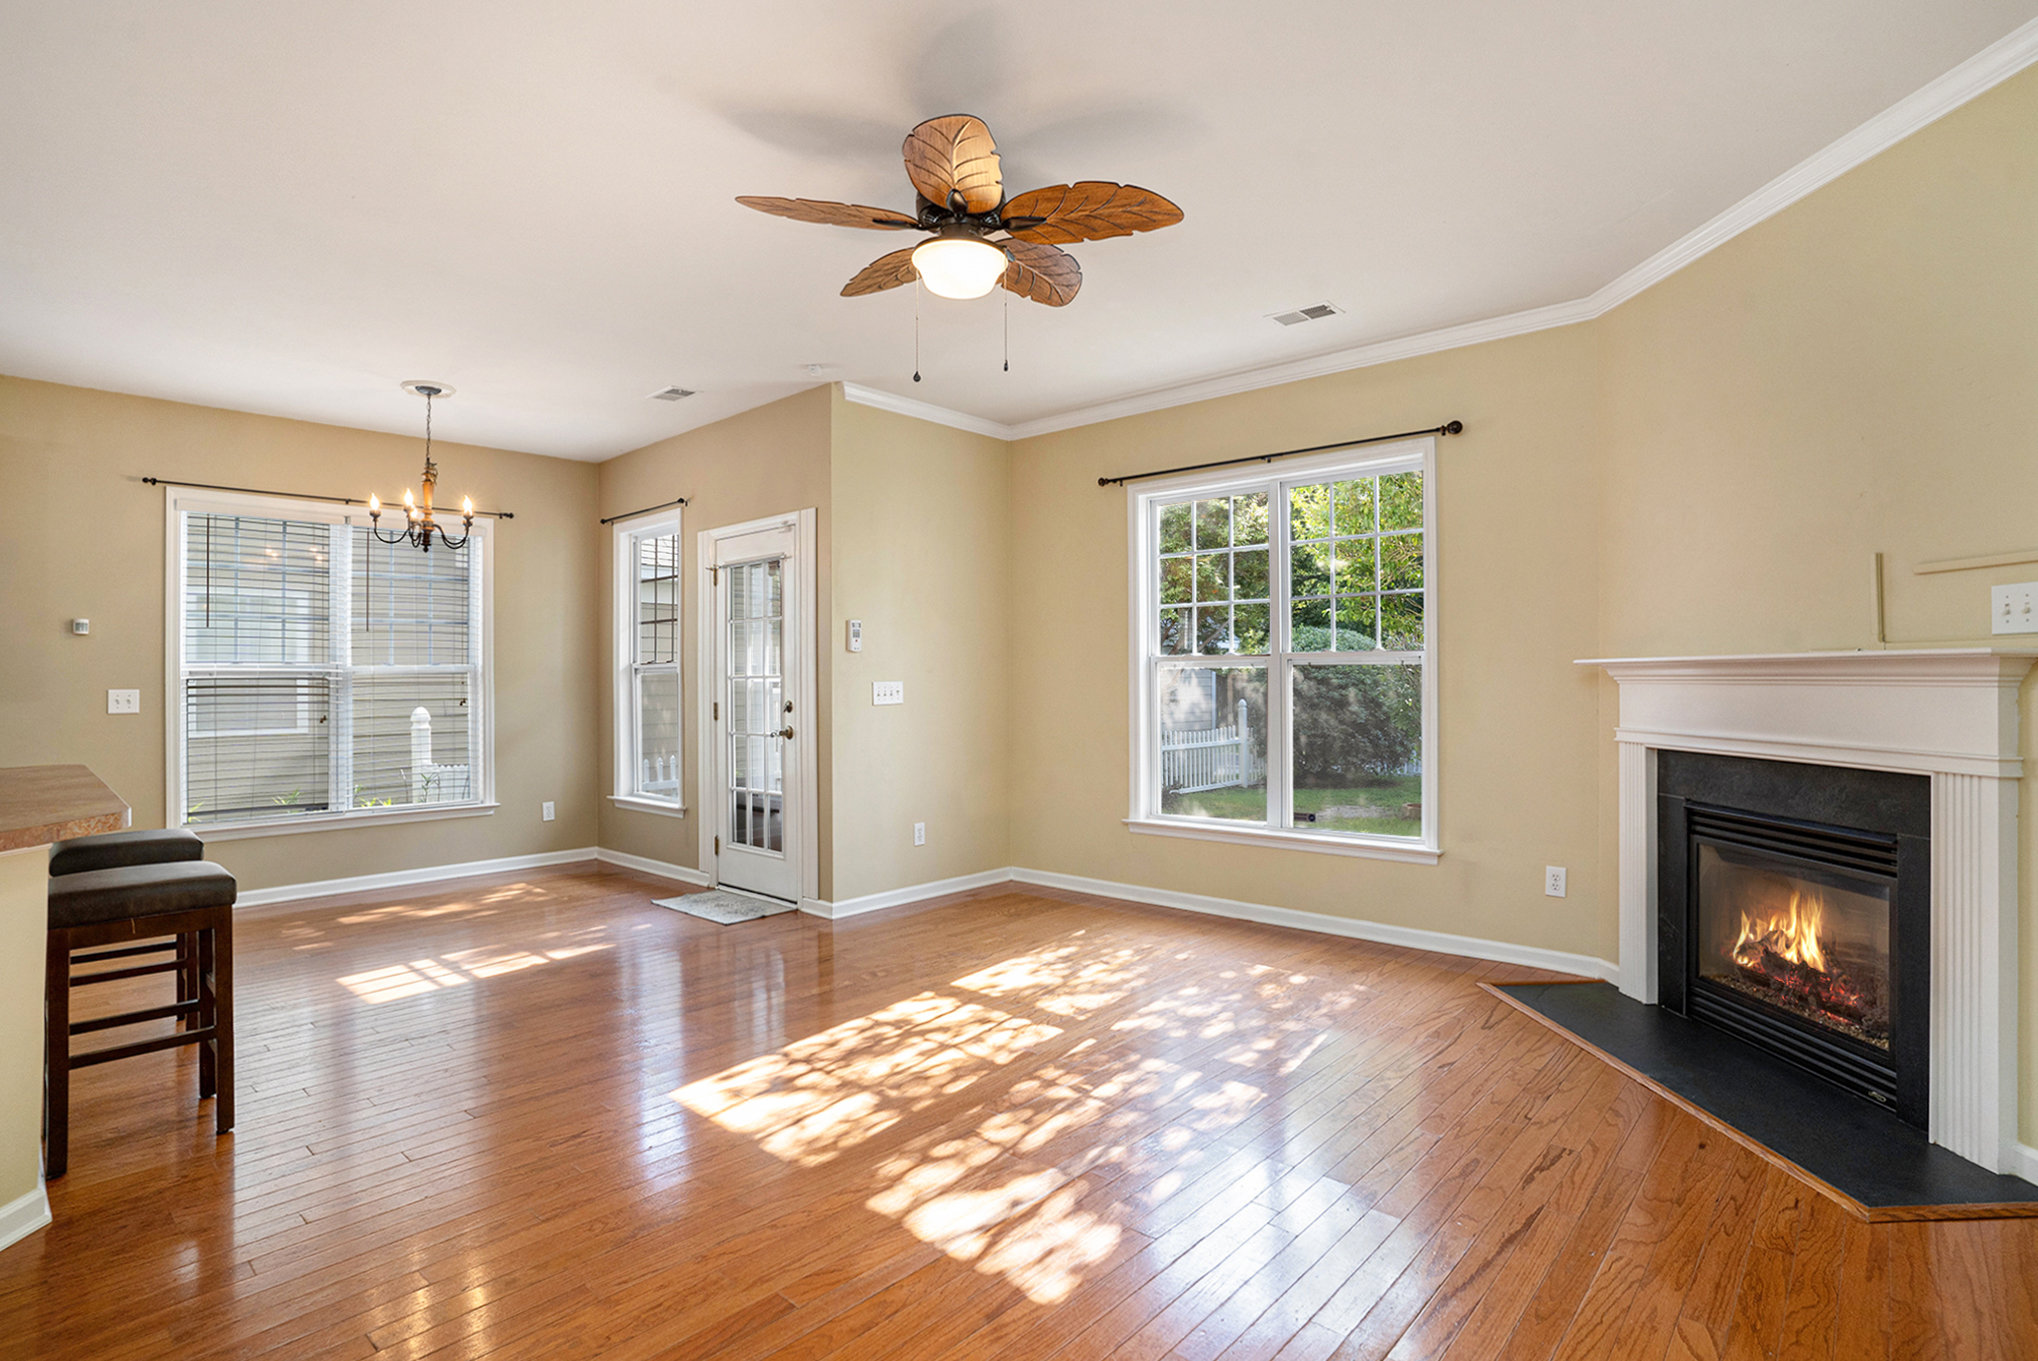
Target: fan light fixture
x=419, y=526
x=959, y=264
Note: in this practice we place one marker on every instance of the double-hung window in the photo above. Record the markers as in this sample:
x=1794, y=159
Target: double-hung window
x=647, y=664
x=317, y=675
x=1283, y=627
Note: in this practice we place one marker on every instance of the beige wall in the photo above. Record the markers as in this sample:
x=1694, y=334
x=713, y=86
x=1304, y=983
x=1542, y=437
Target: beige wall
x=81, y=536
x=1517, y=595
x=1859, y=374
x=763, y=462
x=922, y=530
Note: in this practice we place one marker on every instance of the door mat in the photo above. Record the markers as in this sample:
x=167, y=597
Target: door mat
x=725, y=909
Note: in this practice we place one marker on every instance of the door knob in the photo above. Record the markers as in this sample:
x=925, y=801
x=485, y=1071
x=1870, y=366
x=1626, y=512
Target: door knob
x=785, y=732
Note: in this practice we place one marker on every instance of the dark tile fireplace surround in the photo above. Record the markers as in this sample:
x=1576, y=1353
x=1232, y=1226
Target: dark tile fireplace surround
x=1794, y=913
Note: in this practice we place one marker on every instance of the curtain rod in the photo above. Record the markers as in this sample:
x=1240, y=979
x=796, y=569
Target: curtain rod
x=296, y=495
x=644, y=510
x=1448, y=428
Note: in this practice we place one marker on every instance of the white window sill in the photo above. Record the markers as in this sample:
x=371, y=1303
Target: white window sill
x=1365, y=848
x=327, y=822
x=642, y=805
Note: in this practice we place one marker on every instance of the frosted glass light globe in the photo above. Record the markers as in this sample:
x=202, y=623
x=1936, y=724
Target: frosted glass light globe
x=959, y=266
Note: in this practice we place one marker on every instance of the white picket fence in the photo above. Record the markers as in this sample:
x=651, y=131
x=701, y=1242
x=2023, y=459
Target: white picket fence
x=431, y=782
x=1195, y=759
x=659, y=775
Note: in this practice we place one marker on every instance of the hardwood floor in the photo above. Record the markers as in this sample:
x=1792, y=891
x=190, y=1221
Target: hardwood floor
x=537, y=1117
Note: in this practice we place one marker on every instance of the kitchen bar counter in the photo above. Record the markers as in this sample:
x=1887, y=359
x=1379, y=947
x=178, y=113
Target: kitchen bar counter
x=38, y=805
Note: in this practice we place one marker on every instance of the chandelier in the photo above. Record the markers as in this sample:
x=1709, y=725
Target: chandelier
x=419, y=527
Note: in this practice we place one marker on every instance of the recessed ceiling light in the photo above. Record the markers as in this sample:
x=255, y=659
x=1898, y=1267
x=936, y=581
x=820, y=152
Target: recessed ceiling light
x=1314, y=312
x=675, y=393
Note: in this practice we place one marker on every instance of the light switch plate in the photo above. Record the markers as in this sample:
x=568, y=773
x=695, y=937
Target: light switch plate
x=123, y=701
x=887, y=692
x=2014, y=609
x=547, y=807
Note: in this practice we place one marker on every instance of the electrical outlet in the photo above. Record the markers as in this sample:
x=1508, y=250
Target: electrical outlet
x=123, y=701
x=547, y=806
x=1553, y=880
x=2014, y=609
x=919, y=834
x=887, y=692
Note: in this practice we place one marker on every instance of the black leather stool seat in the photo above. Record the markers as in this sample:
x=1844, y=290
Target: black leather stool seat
x=138, y=891
x=115, y=849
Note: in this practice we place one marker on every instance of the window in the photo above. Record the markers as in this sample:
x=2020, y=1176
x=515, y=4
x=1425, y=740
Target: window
x=320, y=676
x=647, y=665
x=1282, y=625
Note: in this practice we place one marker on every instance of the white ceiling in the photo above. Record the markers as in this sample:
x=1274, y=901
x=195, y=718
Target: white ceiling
x=290, y=208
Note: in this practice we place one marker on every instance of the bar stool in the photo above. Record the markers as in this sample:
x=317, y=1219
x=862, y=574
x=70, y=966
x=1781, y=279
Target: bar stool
x=111, y=850
x=105, y=907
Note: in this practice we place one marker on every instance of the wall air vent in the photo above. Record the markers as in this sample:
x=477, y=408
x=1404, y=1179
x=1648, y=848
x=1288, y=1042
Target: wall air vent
x=1314, y=312
x=672, y=394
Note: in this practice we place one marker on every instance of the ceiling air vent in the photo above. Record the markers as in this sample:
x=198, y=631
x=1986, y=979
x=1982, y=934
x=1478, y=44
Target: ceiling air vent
x=1314, y=312
x=672, y=394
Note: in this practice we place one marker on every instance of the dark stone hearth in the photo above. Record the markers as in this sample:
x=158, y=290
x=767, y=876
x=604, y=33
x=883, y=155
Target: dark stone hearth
x=1863, y=1151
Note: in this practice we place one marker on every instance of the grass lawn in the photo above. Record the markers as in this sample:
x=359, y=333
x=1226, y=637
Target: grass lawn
x=1337, y=810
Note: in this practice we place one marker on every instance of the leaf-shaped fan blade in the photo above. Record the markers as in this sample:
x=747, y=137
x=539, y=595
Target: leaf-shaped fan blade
x=1042, y=273
x=955, y=155
x=1089, y=210
x=831, y=214
x=887, y=271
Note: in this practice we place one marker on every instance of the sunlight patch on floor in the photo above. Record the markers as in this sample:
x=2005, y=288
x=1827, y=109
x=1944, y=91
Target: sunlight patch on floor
x=455, y=969
x=822, y=1095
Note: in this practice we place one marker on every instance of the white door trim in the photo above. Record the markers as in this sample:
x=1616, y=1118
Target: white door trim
x=806, y=636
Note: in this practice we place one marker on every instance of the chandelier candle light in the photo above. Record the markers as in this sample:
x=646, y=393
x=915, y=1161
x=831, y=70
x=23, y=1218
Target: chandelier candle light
x=419, y=526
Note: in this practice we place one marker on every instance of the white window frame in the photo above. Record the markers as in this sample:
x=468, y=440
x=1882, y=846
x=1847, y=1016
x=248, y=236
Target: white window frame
x=177, y=504
x=1142, y=502
x=626, y=667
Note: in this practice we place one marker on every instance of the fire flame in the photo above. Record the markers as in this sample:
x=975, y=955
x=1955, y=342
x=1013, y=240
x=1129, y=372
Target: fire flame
x=1791, y=934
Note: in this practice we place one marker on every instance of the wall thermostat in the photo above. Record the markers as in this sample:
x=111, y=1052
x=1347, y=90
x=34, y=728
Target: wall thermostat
x=856, y=635
x=81, y=626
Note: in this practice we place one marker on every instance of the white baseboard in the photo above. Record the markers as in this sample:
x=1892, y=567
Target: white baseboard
x=2025, y=1159
x=1414, y=938
x=899, y=897
x=361, y=883
x=646, y=865
x=1441, y=942
x=23, y=1215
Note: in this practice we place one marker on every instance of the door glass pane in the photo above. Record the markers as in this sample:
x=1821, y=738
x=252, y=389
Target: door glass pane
x=1358, y=749
x=658, y=735
x=1213, y=742
x=755, y=687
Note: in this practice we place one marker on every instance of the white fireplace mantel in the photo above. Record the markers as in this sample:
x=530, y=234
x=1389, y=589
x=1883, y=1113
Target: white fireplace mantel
x=1950, y=714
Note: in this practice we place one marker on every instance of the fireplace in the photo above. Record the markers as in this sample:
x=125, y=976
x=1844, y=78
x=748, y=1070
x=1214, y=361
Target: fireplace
x=1794, y=913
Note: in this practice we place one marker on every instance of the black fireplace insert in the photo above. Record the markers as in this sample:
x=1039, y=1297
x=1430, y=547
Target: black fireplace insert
x=1794, y=912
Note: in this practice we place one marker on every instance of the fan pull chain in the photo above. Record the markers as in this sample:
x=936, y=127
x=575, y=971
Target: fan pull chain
x=1008, y=330
x=916, y=330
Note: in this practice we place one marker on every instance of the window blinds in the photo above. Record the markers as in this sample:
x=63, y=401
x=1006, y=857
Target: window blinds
x=325, y=672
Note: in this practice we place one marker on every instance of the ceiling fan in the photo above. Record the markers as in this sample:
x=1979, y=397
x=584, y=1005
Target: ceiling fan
x=978, y=238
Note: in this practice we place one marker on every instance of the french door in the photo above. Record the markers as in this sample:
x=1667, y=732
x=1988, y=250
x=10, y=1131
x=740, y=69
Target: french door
x=757, y=732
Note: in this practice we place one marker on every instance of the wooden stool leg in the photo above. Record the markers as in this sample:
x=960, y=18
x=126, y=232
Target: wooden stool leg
x=187, y=974
x=222, y=1042
x=208, y=1010
x=57, y=1054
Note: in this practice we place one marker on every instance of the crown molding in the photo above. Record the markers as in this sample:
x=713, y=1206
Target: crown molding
x=1977, y=75
x=925, y=411
x=1315, y=366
